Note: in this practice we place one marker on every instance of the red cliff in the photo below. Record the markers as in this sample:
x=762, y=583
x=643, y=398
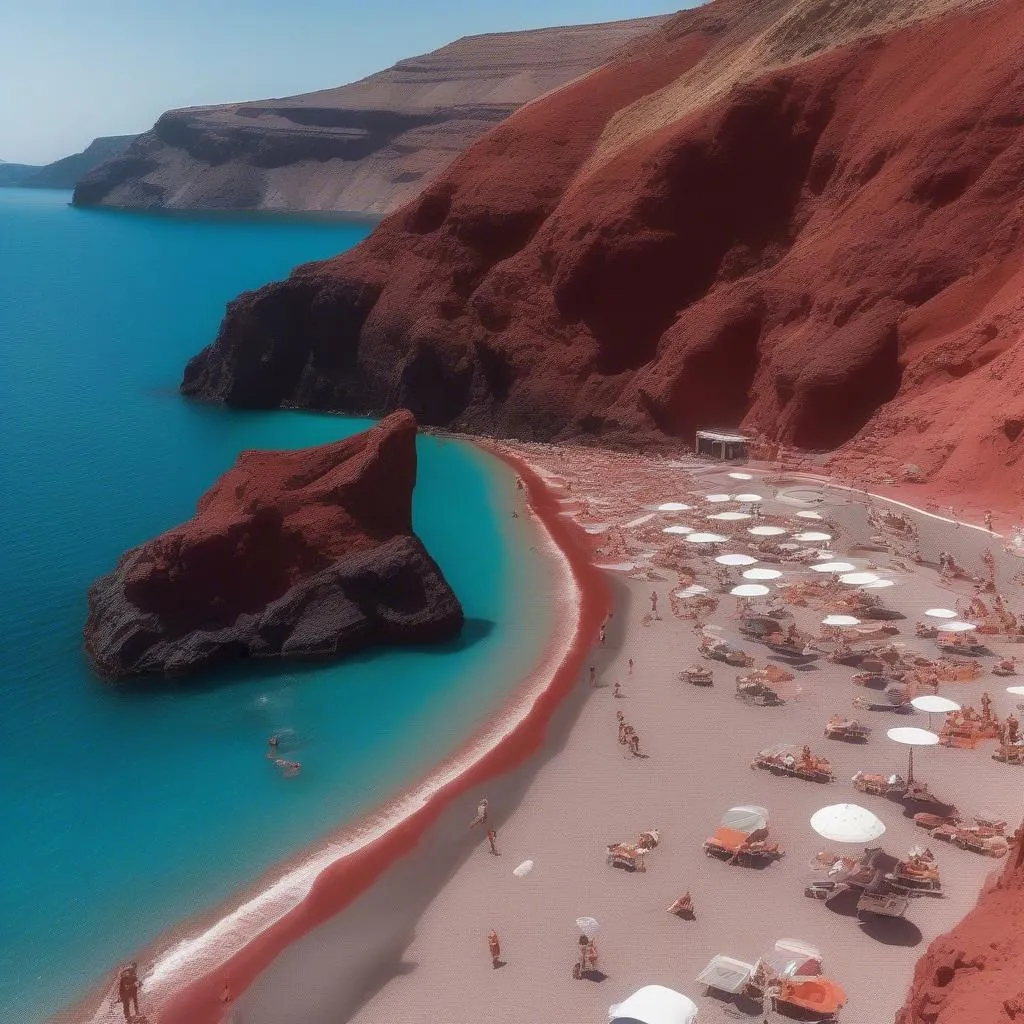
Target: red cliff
x=797, y=217
x=298, y=553
x=975, y=973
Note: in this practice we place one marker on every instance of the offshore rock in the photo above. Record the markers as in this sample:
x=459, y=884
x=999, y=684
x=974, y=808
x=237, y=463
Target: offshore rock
x=297, y=554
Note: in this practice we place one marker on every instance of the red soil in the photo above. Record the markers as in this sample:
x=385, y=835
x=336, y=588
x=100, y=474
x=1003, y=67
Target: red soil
x=826, y=253
x=975, y=973
x=339, y=886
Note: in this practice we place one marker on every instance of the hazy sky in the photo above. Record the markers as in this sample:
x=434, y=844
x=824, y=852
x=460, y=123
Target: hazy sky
x=74, y=69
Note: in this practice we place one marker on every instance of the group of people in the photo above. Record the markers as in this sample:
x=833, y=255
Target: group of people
x=286, y=766
x=628, y=735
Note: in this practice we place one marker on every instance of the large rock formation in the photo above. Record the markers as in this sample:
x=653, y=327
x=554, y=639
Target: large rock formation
x=361, y=148
x=975, y=973
x=798, y=217
x=290, y=553
x=65, y=173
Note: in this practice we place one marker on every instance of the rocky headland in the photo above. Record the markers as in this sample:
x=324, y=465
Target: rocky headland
x=297, y=554
x=363, y=148
x=975, y=973
x=799, y=218
x=64, y=173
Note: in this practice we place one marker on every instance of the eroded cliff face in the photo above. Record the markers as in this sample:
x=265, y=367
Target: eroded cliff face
x=363, y=148
x=305, y=553
x=798, y=218
x=975, y=973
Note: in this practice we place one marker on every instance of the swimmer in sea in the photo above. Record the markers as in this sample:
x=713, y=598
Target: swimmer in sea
x=272, y=747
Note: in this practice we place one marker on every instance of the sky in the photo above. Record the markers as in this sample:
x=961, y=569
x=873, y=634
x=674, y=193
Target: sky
x=72, y=70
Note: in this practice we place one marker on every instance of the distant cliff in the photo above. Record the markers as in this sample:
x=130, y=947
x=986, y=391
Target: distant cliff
x=66, y=172
x=363, y=148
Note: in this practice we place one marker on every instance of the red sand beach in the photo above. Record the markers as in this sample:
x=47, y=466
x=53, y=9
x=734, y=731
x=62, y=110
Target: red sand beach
x=200, y=1001
x=398, y=929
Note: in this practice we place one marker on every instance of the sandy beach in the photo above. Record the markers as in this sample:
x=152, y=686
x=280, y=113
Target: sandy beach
x=413, y=946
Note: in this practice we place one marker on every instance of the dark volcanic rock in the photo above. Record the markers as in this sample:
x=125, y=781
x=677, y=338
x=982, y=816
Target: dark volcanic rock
x=306, y=553
x=756, y=217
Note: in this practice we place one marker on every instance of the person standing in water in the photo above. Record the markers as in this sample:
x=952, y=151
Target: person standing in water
x=593, y=676
x=492, y=839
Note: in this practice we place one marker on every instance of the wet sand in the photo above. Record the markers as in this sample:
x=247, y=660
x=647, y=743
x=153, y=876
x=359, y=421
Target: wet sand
x=413, y=947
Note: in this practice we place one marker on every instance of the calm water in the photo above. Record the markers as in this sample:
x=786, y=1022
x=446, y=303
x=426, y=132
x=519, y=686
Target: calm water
x=124, y=813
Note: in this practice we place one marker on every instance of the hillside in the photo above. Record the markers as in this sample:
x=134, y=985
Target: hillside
x=796, y=217
x=65, y=173
x=363, y=148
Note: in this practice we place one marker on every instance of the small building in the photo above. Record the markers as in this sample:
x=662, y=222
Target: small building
x=720, y=444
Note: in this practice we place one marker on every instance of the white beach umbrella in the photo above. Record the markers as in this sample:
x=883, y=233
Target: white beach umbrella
x=833, y=567
x=766, y=531
x=847, y=823
x=588, y=926
x=957, y=627
x=735, y=559
x=812, y=535
x=730, y=516
x=717, y=499
x=840, y=620
x=879, y=584
x=706, y=538
x=1017, y=691
x=762, y=574
x=747, y=498
x=678, y=529
x=524, y=869
x=808, y=514
x=654, y=1004
x=858, y=579
x=912, y=737
x=933, y=704
x=941, y=613
x=673, y=506
x=693, y=590
x=741, y=476
x=749, y=590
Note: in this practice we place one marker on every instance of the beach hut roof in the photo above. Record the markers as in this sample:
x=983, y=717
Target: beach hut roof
x=655, y=1004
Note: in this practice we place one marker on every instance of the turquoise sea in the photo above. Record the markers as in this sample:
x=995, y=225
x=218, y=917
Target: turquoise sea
x=124, y=813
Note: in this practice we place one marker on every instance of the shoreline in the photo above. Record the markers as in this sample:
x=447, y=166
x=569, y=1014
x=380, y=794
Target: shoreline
x=348, y=864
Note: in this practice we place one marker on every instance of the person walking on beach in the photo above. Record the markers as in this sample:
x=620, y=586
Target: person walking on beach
x=492, y=838
x=654, y=604
x=481, y=814
x=601, y=634
x=494, y=945
x=593, y=676
x=128, y=990
x=630, y=668
x=988, y=521
x=617, y=689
